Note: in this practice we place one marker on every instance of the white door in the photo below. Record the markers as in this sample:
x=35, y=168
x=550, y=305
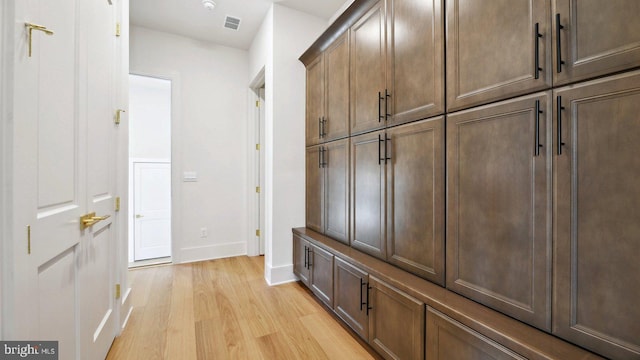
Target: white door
x=152, y=210
x=61, y=167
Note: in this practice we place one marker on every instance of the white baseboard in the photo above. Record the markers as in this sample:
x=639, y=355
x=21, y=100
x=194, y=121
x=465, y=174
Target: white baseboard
x=279, y=274
x=210, y=252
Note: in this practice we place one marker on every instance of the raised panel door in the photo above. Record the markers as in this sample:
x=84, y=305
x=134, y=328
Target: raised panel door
x=336, y=59
x=448, y=339
x=368, y=194
x=396, y=322
x=314, y=100
x=597, y=232
x=368, y=51
x=491, y=50
x=321, y=267
x=595, y=38
x=301, y=258
x=498, y=210
x=336, y=217
x=415, y=198
x=415, y=71
x=350, y=284
x=314, y=207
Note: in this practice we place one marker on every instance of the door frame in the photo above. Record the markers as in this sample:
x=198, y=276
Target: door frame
x=175, y=160
x=4, y=168
x=256, y=130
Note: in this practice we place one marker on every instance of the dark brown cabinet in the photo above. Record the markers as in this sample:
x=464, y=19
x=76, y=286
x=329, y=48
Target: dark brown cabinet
x=320, y=264
x=350, y=284
x=301, y=249
x=315, y=188
x=597, y=215
x=314, y=100
x=498, y=211
x=594, y=37
x=494, y=51
x=396, y=322
x=415, y=198
x=448, y=339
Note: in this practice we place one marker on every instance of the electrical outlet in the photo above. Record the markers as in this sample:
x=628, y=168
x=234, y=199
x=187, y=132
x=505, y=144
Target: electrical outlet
x=203, y=232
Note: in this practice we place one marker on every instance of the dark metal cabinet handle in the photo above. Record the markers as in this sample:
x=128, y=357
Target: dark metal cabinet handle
x=309, y=264
x=380, y=98
x=537, y=145
x=537, y=52
x=379, y=149
x=559, y=129
x=558, y=44
x=319, y=127
x=324, y=157
x=368, y=304
x=362, y=283
x=386, y=104
x=306, y=254
x=319, y=157
x=387, y=156
x=323, y=131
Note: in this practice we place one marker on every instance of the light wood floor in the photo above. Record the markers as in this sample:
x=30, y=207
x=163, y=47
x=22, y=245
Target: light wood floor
x=223, y=309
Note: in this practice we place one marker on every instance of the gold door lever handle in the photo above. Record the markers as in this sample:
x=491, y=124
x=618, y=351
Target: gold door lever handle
x=138, y=216
x=30, y=27
x=90, y=219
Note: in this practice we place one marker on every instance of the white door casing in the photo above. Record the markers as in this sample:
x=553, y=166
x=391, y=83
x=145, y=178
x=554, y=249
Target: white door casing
x=152, y=210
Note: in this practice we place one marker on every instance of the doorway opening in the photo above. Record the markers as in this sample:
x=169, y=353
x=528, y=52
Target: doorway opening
x=149, y=170
x=256, y=168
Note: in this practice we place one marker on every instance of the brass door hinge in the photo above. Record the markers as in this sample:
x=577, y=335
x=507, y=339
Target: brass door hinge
x=258, y=232
x=29, y=239
x=118, y=29
x=258, y=189
x=117, y=203
x=257, y=103
x=257, y=146
x=117, y=291
x=117, y=118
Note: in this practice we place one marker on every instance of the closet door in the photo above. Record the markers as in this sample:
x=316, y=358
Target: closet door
x=498, y=213
x=336, y=190
x=336, y=59
x=315, y=188
x=492, y=47
x=595, y=37
x=597, y=209
x=315, y=100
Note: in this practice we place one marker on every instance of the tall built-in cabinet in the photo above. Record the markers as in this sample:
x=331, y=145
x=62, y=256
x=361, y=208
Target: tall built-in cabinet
x=530, y=167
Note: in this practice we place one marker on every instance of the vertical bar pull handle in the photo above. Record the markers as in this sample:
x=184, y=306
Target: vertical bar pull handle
x=306, y=254
x=368, y=303
x=380, y=98
x=559, y=61
x=559, y=129
x=537, y=52
x=319, y=127
x=537, y=146
x=387, y=156
x=319, y=157
x=323, y=129
x=379, y=150
x=324, y=157
x=362, y=284
x=386, y=104
x=309, y=263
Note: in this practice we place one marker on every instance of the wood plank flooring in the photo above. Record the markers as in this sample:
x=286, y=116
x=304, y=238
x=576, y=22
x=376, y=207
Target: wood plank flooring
x=223, y=309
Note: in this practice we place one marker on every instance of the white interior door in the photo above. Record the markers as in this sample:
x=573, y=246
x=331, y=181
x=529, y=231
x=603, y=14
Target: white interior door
x=152, y=210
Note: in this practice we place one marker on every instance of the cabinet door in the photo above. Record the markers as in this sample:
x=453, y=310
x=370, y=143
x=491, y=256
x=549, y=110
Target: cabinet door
x=350, y=284
x=597, y=239
x=396, y=322
x=367, y=194
x=336, y=59
x=596, y=38
x=491, y=50
x=415, y=198
x=498, y=230
x=315, y=100
x=321, y=267
x=368, y=70
x=337, y=190
x=415, y=72
x=315, y=188
x=301, y=249
x=449, y=339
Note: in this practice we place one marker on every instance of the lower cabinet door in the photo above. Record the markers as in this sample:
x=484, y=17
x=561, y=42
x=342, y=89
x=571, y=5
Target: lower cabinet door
x=350, y=284
x=396, y=322
x=448, y=339
x=321, y=268
x=301, y=249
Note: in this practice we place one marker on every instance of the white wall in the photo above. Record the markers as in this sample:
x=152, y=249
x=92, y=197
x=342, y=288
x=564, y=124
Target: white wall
x=292, y=33
x=149, y=118
x=340, y=11
x=211, y=139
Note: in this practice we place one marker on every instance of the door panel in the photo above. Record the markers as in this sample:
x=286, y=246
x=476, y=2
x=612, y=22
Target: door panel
x=321, y=274
x=368, y=70
x=336, y=59
x=415, y=40
x=337, y=190
x=499, y=236
x=300, y=259
x=415, y=198
x=350, y=291
x=491, y=50
x=315, y=100
x=596, y=268
x=315, y=188
x=367, y=194
x=596, y=39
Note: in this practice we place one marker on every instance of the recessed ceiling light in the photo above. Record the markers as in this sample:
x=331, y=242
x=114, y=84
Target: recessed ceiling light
x=209, y=4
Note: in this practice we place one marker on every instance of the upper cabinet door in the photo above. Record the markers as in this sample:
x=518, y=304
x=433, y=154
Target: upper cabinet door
x=493, y=50
x=415, y=43
x=336, y=60
x=315, y=100
x=368, y=70
x=597, y=227
x=594, y=37
x=498, y=249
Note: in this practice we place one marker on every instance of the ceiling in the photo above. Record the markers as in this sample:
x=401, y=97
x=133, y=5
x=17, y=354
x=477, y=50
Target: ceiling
x=189, y=17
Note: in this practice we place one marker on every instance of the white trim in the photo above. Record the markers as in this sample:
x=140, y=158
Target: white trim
x=279, y=275
x=253, y=244
x=3, y=224
x=210, y=252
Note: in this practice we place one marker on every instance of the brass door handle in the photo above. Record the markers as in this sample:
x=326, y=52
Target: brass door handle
x=117, y=119
x=138, y=216
x=90, y=219
x=32, y=27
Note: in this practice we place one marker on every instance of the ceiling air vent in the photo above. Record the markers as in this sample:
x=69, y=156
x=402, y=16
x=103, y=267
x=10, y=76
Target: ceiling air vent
x=231, y=22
